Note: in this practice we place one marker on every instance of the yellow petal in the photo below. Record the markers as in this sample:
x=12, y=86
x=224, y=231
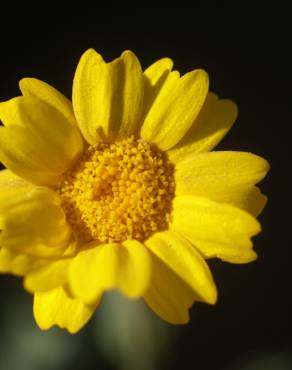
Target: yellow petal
x=33, y=222
x=17, y=263
x=226, y=177
x=35, y=88
x=167, y=295
x=8, y=180
x=86, y=95
x=157, y=70
x=220, y=168
x=248, y=198
x=37, y=142
x=125, y=267
x=108, y=97
x=154, y=78
x=10, y=186
x=175, y=108
x=92, y=271
x=216, y=229
x=134, y=269
x=49, y=276
x=229, y=253
x=183, y=259
x=212, y=124
x=56, y=308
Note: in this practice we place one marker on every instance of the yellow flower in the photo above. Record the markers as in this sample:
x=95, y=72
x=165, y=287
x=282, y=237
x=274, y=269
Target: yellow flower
x=119, y=190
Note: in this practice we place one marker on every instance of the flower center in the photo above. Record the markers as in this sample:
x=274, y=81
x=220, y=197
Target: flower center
x=118, y=191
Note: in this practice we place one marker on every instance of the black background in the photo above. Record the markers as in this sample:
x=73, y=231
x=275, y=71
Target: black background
x=247, y=59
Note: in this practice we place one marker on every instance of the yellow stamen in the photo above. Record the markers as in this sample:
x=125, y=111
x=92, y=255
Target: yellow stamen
x=118, y=191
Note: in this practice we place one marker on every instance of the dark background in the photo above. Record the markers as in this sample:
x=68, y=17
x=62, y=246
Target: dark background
x=247, y=59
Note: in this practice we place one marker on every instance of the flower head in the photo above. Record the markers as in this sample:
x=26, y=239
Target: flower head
x=120, y=190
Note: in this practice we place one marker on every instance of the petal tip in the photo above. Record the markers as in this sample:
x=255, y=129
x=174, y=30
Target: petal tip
x=213, y=297
x=129, y=57
x=202, y=74
x=92, y=55
x=127, y=53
